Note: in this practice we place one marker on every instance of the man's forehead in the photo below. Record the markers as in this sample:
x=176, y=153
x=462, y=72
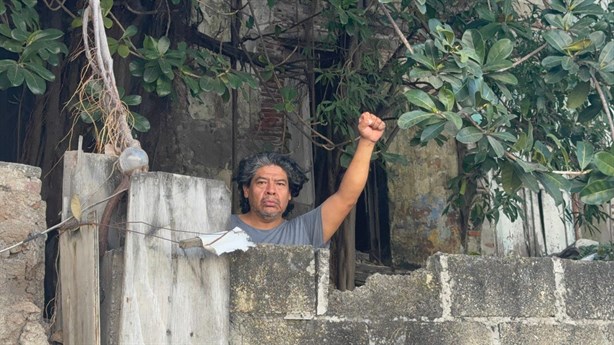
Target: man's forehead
x=271, y=171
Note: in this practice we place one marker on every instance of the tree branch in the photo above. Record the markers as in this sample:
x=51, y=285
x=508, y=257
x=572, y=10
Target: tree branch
x=604, y=105
x=397, y=30
x=525, y=58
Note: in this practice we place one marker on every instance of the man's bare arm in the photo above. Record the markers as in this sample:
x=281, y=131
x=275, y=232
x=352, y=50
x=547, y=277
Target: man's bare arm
x=338, y=205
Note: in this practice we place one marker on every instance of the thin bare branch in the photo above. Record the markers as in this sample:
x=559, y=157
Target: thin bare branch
x=397, y=29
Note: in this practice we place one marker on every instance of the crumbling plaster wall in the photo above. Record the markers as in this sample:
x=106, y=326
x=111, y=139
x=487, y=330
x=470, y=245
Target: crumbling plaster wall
x=418, y=195
x=193, y=135
x=22, y=212
x=279, y=296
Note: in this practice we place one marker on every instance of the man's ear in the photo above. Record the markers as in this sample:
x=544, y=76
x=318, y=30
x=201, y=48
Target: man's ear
x=245, y=191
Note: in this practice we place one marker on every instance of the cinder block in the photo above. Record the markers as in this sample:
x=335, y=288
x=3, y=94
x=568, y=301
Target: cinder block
x=389, y=296
x=274, y=280
x=432, y=333
x=588, y=289
x=505, y=287
x=516, y=333
x=249, y=330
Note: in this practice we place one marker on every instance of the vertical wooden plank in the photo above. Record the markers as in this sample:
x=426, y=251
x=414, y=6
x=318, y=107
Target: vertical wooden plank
x=171, y=295
x=90, y=177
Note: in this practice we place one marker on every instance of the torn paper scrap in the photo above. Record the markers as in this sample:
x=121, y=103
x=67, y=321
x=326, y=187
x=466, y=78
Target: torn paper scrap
x=221, y=242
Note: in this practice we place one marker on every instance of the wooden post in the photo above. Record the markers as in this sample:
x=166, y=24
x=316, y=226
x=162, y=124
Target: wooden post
x=173, y=295
x=88, y=178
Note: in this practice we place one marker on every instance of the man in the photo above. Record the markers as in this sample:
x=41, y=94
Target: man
x=268, y=181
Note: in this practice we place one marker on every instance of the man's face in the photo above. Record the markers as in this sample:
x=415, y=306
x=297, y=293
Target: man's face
x=268, y=192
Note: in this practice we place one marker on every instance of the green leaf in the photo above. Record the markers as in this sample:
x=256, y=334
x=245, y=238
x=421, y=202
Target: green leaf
x=607, y=78
x=558, y=39
x=19, y=35
x=509, y=178
x=499, y=51
x=421, y=99
x=579, y=45
x=506, y=136
x=530, y=166
x=553, y=184
x=132, y=100
x=597, y=192
x=446, y=97
x=130, y=31
x=469, y=135
x=555, y=75
x=422, y=59
x=140, y=122
x=234, y=81
x=123, y=50
x=36, y=84
x=555, y=20
x=14, y=73
x=454, y=118
x=107, y=22
x=584, y=152
x=604, y=161
x=163, y=44
x=473, y=39
x=528, y=180
x=45, y=35
x=136, y=68
x=2, y=8
x=496, y=146
x=41, y=71
x=589, y=112
x=412, y=118
x=166, y=69
x=163, y=87
x=151, y=73
x=206, y=83
x=288, y=93
x=6, y=64
x=506, y=78
x=106, y=6
x=552, y=61
x=432, y=131
x=606, y=57
x=578, y=95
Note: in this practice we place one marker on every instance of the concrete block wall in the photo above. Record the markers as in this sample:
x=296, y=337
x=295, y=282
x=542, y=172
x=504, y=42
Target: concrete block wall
x=280, y=295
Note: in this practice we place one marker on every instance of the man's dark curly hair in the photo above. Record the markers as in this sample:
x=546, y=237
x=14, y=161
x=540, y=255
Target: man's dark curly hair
x=249, y=165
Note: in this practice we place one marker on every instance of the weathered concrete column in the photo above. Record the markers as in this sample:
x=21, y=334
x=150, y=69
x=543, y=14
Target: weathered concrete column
x=22, y=213
x=173, y=295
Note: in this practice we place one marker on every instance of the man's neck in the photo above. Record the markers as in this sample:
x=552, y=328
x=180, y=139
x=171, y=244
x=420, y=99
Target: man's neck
x=255, y=221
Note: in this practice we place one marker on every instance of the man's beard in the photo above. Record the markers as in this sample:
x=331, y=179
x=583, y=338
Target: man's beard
x=268, y=215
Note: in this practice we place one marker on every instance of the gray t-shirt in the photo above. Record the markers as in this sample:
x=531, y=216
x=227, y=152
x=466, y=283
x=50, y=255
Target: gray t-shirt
x=305, y=229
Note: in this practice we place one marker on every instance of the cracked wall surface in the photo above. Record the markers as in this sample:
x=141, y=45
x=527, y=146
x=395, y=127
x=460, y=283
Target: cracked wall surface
x=22, y=212
x=456, y=299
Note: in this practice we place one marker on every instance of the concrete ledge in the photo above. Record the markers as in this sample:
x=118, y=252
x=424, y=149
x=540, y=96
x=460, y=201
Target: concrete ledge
x=271, y=279
x=490, y=286
x=258, y=331
x=548, y=334
x=588, y=289
x=432, y=333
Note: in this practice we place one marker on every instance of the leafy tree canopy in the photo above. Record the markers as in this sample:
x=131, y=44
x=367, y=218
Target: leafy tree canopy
x=525, y=88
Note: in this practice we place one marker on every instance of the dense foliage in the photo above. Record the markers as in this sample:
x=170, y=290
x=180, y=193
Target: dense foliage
x=526, y=89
